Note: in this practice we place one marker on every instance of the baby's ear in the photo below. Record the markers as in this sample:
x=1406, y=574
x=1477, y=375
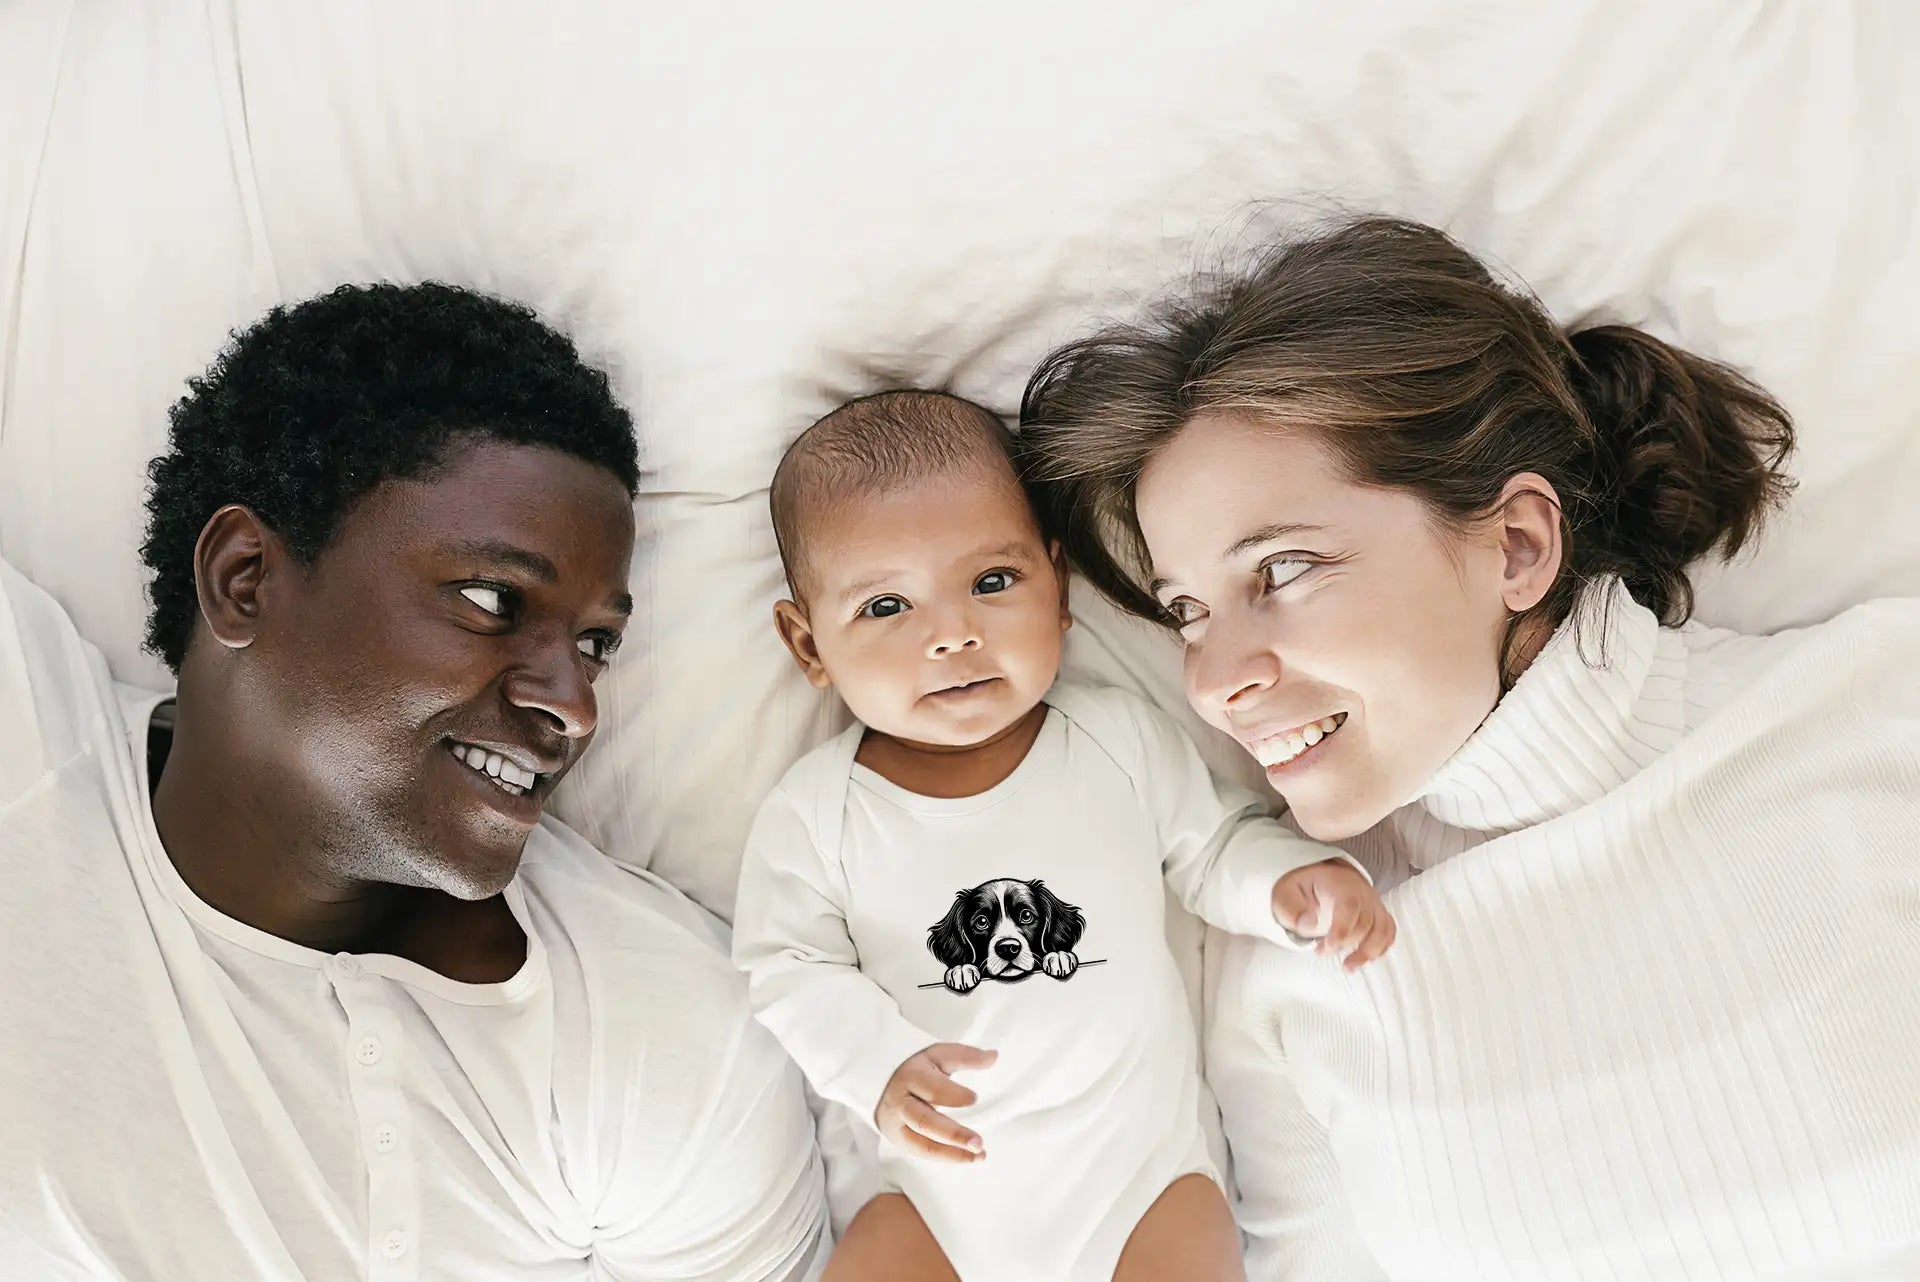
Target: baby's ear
x=1057, y=553
x=796, y=633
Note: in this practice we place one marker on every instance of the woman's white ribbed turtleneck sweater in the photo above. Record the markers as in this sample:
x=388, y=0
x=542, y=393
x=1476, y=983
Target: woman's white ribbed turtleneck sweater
x=1654, y=1011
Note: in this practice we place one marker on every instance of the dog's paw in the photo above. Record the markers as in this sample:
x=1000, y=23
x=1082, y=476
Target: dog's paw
x=962, y=979
x=1059, y=965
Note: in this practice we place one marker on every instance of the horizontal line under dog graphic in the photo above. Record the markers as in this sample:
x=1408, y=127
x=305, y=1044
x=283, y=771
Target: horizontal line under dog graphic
x=1006, y=930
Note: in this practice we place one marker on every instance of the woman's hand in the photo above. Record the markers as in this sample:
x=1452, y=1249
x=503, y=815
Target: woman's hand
x=1331, y=902
x=909, y=1110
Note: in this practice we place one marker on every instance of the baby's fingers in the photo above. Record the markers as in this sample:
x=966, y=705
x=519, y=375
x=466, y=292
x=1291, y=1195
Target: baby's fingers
x=1345, y=929
x=932, y=1133
x=1379, y=938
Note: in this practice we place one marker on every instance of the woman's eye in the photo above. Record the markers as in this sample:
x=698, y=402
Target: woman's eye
x=492, y=600
x=599, y=646
x=993, y=581
x=883, y=607
x=1275, y=575
x=1184, y=610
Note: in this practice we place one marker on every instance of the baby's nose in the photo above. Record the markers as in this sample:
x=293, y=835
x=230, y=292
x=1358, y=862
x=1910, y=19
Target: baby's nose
x=1007, y=948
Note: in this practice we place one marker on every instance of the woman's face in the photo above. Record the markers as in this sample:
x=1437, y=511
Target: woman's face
x=1347, y=640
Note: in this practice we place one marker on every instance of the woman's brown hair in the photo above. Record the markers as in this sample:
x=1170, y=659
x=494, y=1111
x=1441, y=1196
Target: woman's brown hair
x=1425, y=374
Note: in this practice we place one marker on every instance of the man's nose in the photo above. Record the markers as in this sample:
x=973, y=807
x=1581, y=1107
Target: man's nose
x=552, y=678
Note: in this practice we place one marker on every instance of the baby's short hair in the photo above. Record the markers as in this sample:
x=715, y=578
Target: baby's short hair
x=876, y=443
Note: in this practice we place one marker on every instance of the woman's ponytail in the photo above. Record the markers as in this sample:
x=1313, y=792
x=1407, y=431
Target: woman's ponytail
x=1688, y=459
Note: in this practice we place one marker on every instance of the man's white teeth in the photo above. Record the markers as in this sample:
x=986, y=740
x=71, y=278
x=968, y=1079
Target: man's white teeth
x=1277, y=750
x=508, y=776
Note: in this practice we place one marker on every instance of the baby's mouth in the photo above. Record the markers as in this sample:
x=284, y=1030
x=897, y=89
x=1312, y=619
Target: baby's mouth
x=1279, y=749
x=963, y=688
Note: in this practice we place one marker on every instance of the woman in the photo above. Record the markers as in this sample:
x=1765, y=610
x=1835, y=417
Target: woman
x=1652, y=1013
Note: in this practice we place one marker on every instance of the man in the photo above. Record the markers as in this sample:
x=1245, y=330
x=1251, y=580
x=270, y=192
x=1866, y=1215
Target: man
x=295, y=980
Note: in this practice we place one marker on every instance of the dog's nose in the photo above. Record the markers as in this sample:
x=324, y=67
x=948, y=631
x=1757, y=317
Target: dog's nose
x=1008, y=948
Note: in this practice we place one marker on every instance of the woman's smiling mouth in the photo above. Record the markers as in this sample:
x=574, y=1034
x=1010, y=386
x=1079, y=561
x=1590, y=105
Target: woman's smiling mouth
x=1288, y=746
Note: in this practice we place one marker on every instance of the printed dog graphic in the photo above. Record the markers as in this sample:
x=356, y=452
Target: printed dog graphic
x=1006, y=930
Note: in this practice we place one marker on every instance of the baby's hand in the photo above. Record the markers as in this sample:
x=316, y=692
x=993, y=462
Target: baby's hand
x=1332, y=902
x=907, y=1112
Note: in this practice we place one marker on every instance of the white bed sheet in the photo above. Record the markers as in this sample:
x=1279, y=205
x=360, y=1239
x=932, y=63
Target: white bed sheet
x=751, y=211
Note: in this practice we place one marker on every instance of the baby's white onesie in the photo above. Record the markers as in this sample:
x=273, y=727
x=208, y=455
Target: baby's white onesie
x=1028, y=919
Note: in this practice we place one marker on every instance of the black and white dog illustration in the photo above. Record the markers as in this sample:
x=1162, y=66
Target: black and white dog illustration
x=1007, y=930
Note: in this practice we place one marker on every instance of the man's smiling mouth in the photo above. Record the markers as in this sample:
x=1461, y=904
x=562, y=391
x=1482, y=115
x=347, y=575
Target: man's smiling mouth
x=511, y=778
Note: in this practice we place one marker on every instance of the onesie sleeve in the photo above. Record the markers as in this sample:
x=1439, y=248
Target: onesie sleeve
x=1224, y=852
x=803, y=973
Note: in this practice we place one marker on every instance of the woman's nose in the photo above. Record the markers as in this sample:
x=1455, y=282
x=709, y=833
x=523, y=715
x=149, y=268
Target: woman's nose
x=1230, y=668
x=552, y=679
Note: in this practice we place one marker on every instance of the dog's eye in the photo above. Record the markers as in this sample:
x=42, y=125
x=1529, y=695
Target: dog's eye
x=1024, y=916
x=981, y=922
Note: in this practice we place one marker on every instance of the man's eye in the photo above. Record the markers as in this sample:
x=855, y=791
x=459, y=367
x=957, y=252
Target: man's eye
x=1275, y=575
x=492, y=600
x=599, y=646
x=883, y=607
x=993, y=581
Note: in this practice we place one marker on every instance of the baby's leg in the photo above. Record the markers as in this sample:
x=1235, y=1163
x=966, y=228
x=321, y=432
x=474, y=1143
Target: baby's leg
x=1188, y=1233
x=886, y=1242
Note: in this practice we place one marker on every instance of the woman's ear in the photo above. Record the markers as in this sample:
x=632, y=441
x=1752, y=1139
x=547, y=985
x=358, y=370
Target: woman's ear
x=790, y=621
x=1527, y=527
x=231, y=563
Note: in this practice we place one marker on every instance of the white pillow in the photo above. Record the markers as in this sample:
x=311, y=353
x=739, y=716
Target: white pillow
x=752, y=212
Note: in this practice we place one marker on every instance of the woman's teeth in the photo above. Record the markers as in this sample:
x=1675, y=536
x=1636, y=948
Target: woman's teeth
x=1279, y=749
x=505, y=775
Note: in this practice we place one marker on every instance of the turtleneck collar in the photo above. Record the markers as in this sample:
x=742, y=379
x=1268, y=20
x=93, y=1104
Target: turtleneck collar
x=1602, y=700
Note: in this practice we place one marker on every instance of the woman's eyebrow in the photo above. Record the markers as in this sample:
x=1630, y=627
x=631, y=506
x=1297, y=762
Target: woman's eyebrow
x=1267, y=534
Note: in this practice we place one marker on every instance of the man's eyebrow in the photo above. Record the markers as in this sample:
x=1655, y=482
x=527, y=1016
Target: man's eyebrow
x=1265, y=534
x=500, y=552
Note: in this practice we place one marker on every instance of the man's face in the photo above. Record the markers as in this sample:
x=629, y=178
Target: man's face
x=425, y=684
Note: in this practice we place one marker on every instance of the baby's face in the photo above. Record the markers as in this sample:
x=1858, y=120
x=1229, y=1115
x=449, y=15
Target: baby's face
x=937, y=610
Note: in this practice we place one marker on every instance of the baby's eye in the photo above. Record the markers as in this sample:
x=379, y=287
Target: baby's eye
x=993, y=581
x=1276, y=574
x=883, y=607
x=492, y=600
x=599, y=646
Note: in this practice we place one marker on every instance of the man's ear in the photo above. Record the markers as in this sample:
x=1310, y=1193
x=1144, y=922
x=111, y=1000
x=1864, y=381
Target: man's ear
x=1527, y=530
x=1058, y=555
x=233, y=564
x=790, y=621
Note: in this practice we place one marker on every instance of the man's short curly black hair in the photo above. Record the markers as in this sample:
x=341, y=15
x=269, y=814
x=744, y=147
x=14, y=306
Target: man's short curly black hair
x=316, y=404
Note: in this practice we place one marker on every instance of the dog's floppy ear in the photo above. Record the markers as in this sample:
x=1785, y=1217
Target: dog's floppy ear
x=1065, y=923
x=947, y=939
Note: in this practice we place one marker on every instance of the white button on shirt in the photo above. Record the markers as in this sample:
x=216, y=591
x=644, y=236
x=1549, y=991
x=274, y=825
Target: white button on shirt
x=609, y=1112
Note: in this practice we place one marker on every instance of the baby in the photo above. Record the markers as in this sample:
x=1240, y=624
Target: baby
x=972, y=877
